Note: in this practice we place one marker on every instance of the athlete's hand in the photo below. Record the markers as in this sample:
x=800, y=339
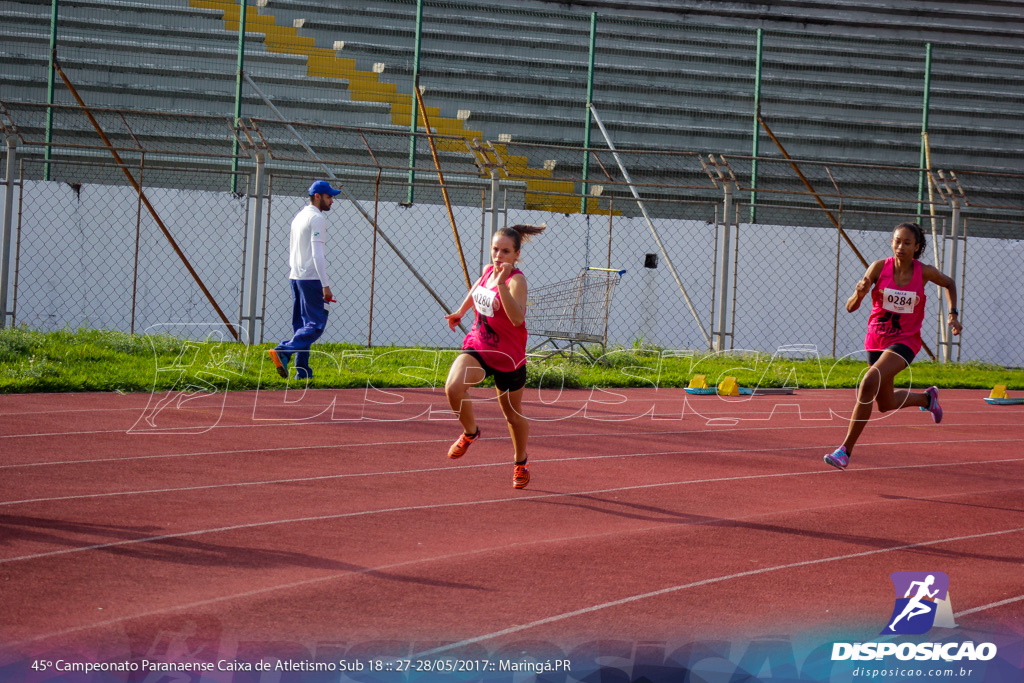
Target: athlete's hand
x=863, y=286
x=329, y=295
x=453, y=320
x=504, y=270
x=954, y=323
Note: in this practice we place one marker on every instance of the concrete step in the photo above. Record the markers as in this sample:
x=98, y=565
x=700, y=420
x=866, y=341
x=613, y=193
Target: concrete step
x=161, y=14
x=122, y=67
x=1001, y=24
x=193, y=99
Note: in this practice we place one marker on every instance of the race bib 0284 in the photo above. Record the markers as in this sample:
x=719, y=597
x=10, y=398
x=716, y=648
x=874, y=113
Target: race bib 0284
x=898, y=300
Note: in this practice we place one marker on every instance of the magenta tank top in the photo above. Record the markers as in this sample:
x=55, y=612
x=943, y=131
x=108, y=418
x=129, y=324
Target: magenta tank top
x=897, y=312
x=501, y=344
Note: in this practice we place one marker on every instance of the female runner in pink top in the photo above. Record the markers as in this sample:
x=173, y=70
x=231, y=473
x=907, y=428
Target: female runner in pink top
x=495, y=347
x=894, y=332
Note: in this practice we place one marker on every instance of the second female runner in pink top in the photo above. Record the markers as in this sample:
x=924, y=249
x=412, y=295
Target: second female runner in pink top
x=495, y=347
x=894, y=332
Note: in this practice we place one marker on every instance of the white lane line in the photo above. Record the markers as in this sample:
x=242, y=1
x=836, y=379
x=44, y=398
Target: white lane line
x=437, y=506
x=698, y=584
x=452, y=556
x=560, y=435
x=285, y=422
x=328, y=477
x=248, y=406
x=991, y=605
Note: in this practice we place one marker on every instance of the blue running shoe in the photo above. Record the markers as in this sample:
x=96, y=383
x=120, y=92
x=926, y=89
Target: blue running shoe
x=933, y=404
x=838, y=458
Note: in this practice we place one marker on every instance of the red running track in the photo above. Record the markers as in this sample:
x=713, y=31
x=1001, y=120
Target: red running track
x=334, y=517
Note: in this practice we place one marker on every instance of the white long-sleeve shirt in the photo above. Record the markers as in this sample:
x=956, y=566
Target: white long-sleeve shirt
x=308, y=239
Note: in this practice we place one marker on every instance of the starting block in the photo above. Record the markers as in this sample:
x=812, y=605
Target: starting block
x=999, y=397
x=728, y=387
x=699, y=385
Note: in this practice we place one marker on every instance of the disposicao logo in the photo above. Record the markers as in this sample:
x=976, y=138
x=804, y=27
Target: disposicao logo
x=922, y=603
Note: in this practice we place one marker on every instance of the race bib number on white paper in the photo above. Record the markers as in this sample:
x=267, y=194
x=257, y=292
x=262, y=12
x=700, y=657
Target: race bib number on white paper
x=483, y=301
x=898, y=300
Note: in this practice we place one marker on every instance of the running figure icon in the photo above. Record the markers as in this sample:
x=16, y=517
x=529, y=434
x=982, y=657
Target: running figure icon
x=916, y=606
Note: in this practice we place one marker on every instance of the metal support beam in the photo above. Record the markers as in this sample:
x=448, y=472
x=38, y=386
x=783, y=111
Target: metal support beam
x=650, y=225
x=936, y=261
x=954, y=234
x=50, y=82
x=256, y=237
x=495, y=189
x=413, y=123
x=489, y=226
x=723, y=281
x=242, y=21
x=758, y=62
x=586, y=125
x=925, y=105
x=5, y=246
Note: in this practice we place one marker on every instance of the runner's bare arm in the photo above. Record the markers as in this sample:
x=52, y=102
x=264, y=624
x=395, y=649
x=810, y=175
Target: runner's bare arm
x=467, y=303
x=513, y=294
x=864, y=286
x=933, y=274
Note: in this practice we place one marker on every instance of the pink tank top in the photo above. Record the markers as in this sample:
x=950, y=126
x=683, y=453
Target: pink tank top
x=897, y=312
x=502, y=344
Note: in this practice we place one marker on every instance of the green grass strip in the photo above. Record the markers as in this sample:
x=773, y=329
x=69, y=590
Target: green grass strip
x=104, y=360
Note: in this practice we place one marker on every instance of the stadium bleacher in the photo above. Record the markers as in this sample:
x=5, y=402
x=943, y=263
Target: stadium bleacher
x=843, y=83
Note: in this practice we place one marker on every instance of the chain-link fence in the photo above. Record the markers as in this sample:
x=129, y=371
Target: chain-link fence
x=711, y=261
x=90, y=254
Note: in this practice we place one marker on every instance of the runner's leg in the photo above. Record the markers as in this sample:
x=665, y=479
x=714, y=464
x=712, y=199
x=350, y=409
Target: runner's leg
x=518, y=426
x=464, y=373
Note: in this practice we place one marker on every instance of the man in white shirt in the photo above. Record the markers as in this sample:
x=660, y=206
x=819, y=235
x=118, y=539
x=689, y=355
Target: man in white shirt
x=311, y=288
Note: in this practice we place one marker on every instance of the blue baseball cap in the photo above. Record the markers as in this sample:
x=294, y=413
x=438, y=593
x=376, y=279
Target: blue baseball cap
x=322, y=187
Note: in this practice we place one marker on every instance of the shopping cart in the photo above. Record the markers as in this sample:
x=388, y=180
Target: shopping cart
x=571, y=313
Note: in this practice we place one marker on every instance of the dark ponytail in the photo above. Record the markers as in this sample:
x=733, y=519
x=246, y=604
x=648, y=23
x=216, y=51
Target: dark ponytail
x=521, y=233
x=918, y=235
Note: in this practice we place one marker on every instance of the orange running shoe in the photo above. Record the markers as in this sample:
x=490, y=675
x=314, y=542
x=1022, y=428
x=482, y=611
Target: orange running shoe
x=520, y=476
x=282, y=367
x=460, y=447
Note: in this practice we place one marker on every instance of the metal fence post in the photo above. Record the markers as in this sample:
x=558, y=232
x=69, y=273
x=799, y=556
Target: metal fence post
x=947, y=348
x=723, y=282
x=488, y=228
x=255, y=242
x=495, y=189
x=413, y=116
x=924, y=126
x=239, y=77
x=757, y=125
x=5, y=247
x=586, y=125
x=49, y=89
